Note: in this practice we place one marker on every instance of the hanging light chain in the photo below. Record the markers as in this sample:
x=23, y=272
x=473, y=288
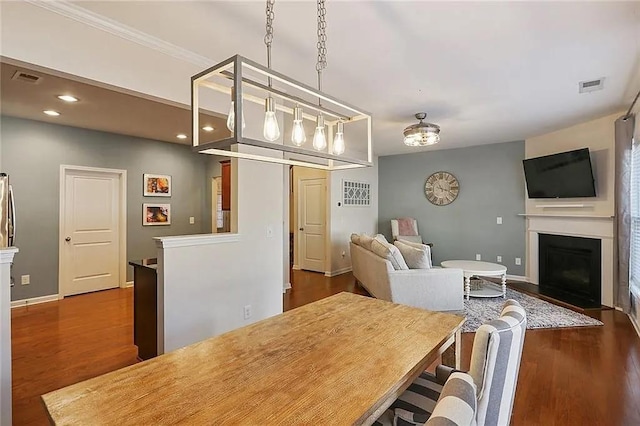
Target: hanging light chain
x=322, y=41
x=268, y=37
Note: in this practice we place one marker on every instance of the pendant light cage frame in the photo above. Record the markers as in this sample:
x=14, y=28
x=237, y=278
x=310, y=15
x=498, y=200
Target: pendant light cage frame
x=246, y=83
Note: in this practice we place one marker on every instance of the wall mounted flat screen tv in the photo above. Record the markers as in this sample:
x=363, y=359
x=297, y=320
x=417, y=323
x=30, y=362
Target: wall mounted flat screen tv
x=563, y=175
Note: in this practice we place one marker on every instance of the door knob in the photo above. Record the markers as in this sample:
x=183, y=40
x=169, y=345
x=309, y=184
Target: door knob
x=301, y=229
x=67, y=239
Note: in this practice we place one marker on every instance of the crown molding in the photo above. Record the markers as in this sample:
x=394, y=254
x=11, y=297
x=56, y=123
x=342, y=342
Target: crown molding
x=111, y=26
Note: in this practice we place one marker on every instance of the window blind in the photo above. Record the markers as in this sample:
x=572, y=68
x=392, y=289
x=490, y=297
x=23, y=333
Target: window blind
x=634, y=264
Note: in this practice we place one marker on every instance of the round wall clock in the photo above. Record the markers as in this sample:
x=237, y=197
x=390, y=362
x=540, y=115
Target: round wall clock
x=441, y=188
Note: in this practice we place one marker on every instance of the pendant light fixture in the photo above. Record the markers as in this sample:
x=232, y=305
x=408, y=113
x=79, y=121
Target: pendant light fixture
x=248, y=82
x=422, y=134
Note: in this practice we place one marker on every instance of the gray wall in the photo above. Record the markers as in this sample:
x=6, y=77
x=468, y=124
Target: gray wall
x=491, y=185
x=32, y=153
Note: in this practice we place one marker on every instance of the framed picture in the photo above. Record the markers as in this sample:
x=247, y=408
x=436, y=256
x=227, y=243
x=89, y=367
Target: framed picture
x=156, y=214
x=157, y=185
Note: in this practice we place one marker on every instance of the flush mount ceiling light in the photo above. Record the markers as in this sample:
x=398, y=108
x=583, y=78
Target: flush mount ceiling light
x=421, y=134
x=51, y=112
x=208, y=129
x=263, y=102
x=68, y=98
x=181, y=136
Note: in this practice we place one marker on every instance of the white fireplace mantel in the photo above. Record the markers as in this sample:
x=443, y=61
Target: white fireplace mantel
x=598, y=227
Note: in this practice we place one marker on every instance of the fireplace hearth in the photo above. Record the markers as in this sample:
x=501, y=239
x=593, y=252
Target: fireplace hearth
x=570, y=269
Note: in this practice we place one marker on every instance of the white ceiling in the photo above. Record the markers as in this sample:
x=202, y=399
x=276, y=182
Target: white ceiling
x=485, y=72
x=98, y=108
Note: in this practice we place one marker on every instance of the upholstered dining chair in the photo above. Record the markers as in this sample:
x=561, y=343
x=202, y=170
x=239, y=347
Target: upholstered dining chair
x=495, y=363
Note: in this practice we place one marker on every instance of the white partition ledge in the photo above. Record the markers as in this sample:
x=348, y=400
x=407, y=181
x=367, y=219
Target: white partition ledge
x=195, y=240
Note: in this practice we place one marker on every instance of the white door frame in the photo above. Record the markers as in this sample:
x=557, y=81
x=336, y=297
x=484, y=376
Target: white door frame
x=122, y=217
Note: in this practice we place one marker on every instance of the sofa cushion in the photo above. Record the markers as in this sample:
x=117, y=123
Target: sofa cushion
x=416, y=257
x=420, y=246
x=355, y=239
x=389, y=252
x=381, y=238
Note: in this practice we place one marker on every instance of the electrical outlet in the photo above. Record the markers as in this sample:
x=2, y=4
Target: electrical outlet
x=499, y=259
x=478, y=257
x=344, y=253
x=192, y=220
x=247, y=312
x=25, y=279
x=518, y=261
x=499, y=220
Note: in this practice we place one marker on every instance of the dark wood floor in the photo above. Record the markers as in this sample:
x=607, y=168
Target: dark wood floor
x=586, y=376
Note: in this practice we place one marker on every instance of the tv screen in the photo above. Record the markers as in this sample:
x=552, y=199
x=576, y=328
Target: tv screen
x=563, y=175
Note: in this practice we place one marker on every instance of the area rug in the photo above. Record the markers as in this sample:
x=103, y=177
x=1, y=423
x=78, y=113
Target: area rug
x=540, y=314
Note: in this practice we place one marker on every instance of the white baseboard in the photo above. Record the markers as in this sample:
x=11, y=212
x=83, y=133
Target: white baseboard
x=296, y=268
x=285, y=287
x=34, y=301
x=338, y=272
x=517, y=278
x=128, y=284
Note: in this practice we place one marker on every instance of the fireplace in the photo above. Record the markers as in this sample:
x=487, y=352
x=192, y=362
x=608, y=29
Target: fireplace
x=570, y=269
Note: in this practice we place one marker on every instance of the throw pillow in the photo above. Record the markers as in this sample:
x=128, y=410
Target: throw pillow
x=365, y=241
x=381, y=238
x=416, y=258
x=424, y=247
x=389, y=252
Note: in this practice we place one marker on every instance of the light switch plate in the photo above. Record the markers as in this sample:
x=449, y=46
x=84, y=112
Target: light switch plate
x=192, y=220
x=499, y=259
x=25, y=279
x=247, y=312
x=499, y=220
x=478, y=257
x=518, y=261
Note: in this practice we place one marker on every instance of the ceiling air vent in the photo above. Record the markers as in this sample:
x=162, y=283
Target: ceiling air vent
x=591, y=85
x=26, y=77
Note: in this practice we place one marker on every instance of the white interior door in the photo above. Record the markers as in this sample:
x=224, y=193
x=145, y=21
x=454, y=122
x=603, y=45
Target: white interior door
x=90, y=219
x=312, y=223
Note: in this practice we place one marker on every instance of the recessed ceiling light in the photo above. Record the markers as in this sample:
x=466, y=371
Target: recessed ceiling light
x=68, y=98
x=51, y=113
x=181, y=136
x=208, y=129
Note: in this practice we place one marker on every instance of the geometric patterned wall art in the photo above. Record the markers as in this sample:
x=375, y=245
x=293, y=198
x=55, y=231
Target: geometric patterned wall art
x=356, y=193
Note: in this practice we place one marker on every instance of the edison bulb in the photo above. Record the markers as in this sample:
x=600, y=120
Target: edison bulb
x=319, y=139
x=298, y=137
x=271, y=131
x=338, y=144
x=231, y=118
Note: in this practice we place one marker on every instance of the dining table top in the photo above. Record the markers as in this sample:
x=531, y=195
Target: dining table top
x=341, y=360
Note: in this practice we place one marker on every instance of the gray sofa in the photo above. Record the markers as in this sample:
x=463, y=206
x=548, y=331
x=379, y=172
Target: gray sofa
x=435, y=289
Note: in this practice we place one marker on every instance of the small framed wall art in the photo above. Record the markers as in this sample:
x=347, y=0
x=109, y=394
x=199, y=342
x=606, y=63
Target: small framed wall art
x=157, y=185
x=156, y=214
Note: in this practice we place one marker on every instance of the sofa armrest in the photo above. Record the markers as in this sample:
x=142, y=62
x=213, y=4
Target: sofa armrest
x=437, y=289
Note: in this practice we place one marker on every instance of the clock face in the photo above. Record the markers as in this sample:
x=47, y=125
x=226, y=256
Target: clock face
x=441, y=188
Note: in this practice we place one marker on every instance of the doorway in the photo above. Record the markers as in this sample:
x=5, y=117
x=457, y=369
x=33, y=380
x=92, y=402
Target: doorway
x=92, y=247
x=309, y=215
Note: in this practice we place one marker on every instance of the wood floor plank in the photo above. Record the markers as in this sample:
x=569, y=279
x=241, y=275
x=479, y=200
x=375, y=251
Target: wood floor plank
x=582, y=375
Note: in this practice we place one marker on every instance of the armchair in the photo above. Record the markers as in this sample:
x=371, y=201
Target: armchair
x=406, y=228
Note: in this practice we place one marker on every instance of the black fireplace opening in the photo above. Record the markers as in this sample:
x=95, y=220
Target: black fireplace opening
x=570, y=269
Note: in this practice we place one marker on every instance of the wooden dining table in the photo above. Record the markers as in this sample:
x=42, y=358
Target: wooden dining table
x=341, y=361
